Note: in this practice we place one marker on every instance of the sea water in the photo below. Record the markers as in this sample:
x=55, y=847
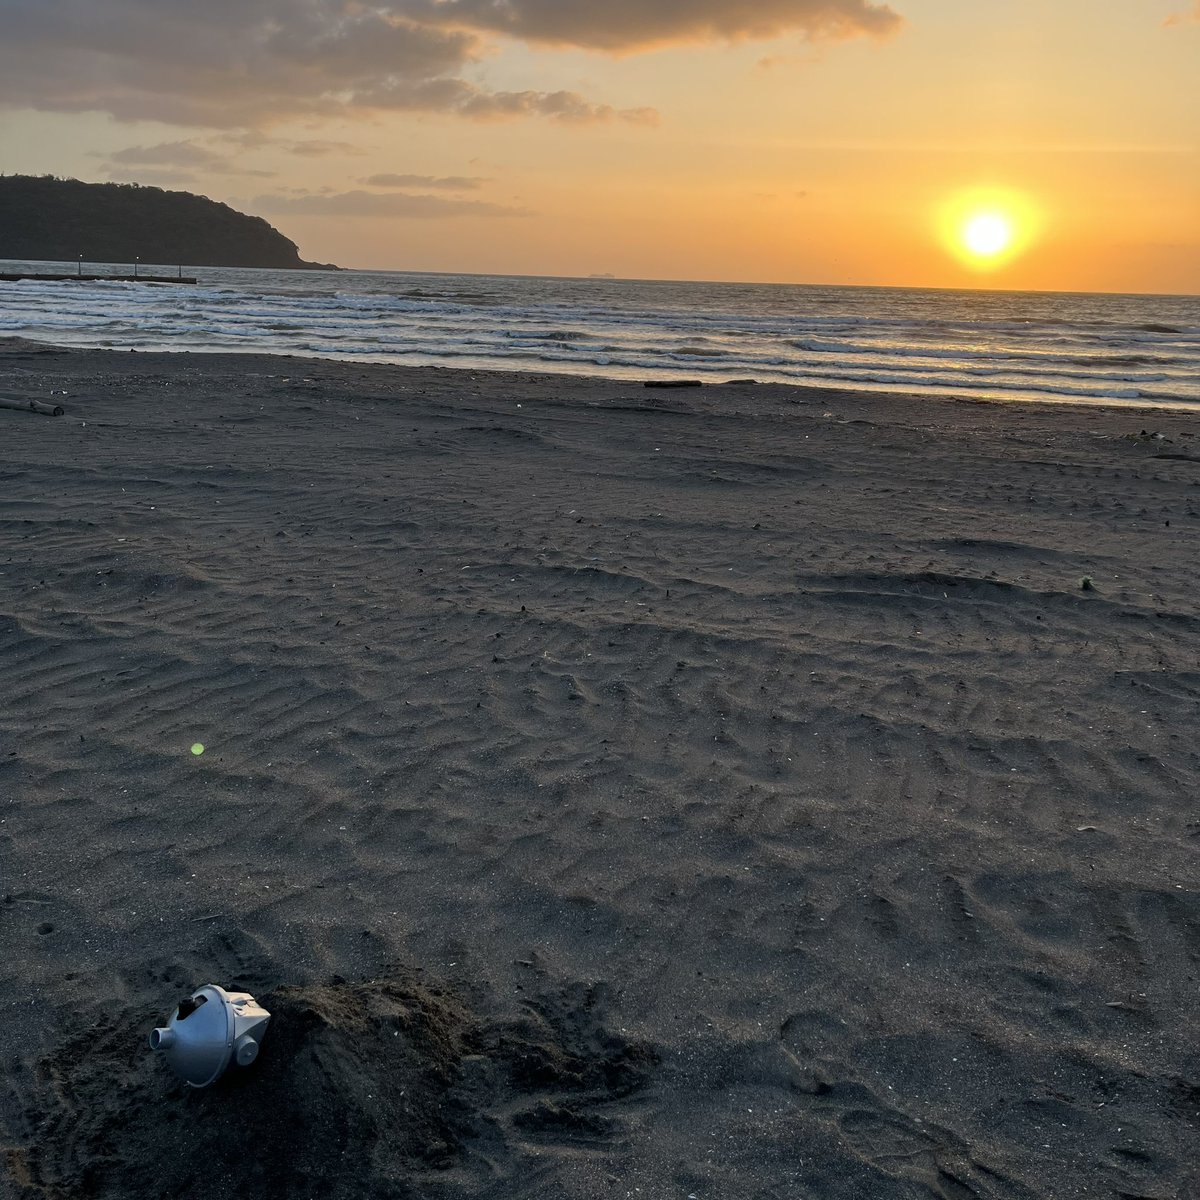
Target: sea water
x=1083, y=348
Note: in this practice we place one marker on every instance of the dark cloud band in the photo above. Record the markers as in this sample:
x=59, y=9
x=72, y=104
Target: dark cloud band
x=447, y=183
x=379, y=204
x=623, y=25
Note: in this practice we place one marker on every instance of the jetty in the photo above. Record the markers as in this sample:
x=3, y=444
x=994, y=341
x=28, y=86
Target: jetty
x=75, y=277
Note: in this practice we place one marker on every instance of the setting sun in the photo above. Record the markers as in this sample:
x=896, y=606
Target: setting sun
x=988, y=234
x=988, y=228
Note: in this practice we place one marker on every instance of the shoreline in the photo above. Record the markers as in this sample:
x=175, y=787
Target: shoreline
x=721, y=791
x=19, y=344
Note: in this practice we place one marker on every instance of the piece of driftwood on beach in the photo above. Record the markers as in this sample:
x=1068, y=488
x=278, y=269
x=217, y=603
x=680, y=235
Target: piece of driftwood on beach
x=37, y=406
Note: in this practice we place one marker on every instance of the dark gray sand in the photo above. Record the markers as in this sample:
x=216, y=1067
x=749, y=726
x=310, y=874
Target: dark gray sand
x=732, y=792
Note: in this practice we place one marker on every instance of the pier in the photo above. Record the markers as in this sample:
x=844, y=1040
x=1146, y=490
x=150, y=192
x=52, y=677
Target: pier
x=8, y=277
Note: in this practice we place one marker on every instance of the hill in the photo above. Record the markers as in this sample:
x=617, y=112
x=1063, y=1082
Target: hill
x=42, y=217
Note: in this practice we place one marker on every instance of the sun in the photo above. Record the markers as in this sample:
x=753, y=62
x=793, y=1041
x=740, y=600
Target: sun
x=988, y=228
x=987, y=234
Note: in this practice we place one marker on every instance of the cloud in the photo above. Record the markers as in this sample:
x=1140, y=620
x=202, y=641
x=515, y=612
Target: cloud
x=243, y=64
x=223, y=64
x=379, y=204
x=178, y=154
x=175, y=154
x=318, y=148
x=256, y=139
x=561, y=106
x=625, y=25
x=1185, y=18
x=465, y=99
x=449, y=183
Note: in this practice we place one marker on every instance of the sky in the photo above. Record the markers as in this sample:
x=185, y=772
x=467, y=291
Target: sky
x=791, y=141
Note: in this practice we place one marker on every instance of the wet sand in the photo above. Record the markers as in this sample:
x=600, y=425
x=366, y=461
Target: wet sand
x=744, y=791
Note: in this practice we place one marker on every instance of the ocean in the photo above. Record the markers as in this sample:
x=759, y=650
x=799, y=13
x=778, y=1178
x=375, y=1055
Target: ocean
x=1081, y=348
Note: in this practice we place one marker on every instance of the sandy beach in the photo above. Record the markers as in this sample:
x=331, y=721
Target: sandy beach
x=739, y=791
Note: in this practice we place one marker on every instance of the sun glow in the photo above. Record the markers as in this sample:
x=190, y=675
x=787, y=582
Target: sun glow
x=988, y=229
x=987, y=234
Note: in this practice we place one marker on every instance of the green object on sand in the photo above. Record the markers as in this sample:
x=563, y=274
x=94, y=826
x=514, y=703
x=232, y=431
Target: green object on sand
x=197, y=748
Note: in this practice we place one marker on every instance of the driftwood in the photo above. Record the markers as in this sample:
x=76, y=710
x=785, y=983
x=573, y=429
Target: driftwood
x=37, y=406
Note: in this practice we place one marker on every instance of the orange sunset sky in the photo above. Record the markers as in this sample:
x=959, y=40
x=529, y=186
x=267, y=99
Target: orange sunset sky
x=808, y=141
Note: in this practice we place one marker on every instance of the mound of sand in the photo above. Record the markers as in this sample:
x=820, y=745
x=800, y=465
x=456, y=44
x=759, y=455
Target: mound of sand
x=361, y=1090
